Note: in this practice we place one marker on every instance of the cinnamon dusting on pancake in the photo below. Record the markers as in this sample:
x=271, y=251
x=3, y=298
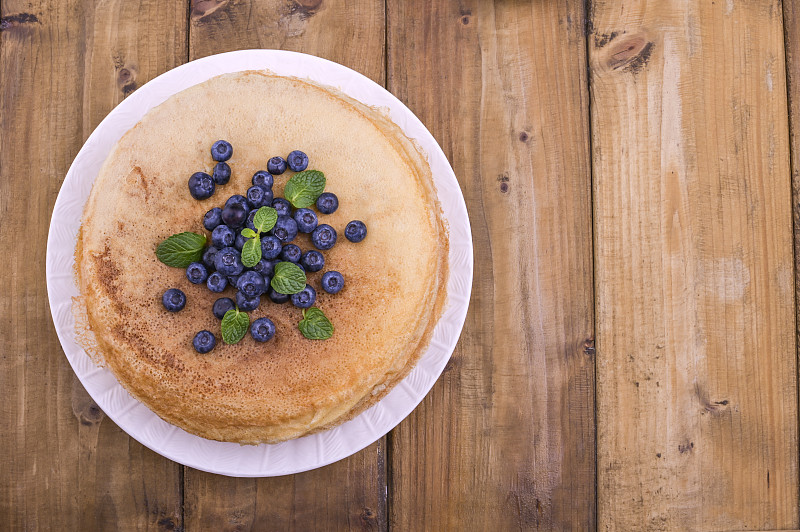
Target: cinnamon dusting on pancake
x=251, y=393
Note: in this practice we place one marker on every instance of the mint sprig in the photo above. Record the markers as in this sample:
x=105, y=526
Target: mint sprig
x=315, y=325
x=182, y=249
x=288, y=278
x=263, y=221
x=251, y=252
x=234, y=325
x=303, y=189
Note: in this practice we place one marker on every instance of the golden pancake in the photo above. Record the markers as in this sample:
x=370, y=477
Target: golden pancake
x=289, y=386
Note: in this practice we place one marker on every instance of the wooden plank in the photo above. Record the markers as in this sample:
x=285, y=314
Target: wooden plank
x=350, y=494
x=505, y=440
x=696, y=369
x=64, y=466
x=347, y=495
x=350, y=33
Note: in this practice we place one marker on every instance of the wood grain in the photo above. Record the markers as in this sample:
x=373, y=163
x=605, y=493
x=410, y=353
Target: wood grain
x=350, y=494
x=696, y=369
x=347, y=495
x=505, y=440
x=64, y=466
x=350, y=33
x=697, y=424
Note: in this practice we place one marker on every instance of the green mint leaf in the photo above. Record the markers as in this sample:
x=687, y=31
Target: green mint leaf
x=251, y=252
x=265, y=219
x=288, y=278
x=303, y=189
x=315, y=325
x=249, y=233
x=234, y=325
x=181, y=250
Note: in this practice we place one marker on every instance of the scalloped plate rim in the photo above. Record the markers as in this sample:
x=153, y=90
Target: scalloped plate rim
x=351, y=436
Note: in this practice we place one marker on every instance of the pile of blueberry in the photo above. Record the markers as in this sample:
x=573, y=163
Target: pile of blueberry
x=221, y=265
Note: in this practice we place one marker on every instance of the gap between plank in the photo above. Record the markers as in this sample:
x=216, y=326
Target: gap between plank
x=587, y=24
x=188, y=29
x=792, y=185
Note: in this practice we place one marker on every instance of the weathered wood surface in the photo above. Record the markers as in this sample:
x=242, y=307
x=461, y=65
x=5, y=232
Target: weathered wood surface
x=696, y=364
x=63, y=67
x=350, y=494
x=656, y=212
x=505, y=441
x=351, y=33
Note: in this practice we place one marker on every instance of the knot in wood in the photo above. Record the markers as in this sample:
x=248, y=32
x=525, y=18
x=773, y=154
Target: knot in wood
x=16, y=20
x=369, y=518
x=126, y=79
x=629, y=54
x=203, y=8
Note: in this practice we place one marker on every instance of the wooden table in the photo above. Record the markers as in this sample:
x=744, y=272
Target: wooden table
x=629, y=358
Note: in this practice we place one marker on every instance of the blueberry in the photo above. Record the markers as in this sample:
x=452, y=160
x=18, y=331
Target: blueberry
x=276, y=165
x=323, y=237
x=240, y=240
x=221, y=174
x=212, y=218
x=234, y=215
x=222, y=237
x=204, y=342
x=208, y=257
x=174, y=300
x=297, y=161
x=221, y=306
x=277, y=297
x=327, y=203
x=266, y=268
x=291, y=253
x=246, y=304
x=262, y=329
x=283, y=207
x=258, y=196
x=216, y=282
x=312, y=261
x=249, y=223
x=237, y=199
x=285, y=229
x=270, y=247
x=221, y=150
x=355, y=231
x=233, y=279
x=196, y=273
x=263, y=179
x=306, y=220
x=332, y=282
x=228, y=262
x=306, y=298
x=201, y=186
x=251, y=284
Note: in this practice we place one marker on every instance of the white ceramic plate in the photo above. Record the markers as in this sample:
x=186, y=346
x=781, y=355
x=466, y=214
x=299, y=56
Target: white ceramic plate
x=232, y=459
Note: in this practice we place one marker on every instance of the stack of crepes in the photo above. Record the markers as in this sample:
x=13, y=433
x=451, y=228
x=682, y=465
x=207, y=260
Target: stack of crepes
x=254, y=392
